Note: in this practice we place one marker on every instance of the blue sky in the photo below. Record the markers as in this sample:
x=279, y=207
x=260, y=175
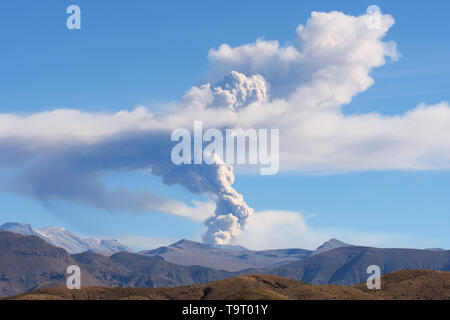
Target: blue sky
x=150, y=53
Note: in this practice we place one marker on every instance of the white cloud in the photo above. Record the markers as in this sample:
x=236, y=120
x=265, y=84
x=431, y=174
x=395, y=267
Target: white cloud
x=332, y=49
x=280, y=229
x=290, y=229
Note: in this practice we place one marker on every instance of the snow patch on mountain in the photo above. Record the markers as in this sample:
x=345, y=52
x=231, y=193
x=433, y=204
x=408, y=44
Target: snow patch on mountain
x=67, y=240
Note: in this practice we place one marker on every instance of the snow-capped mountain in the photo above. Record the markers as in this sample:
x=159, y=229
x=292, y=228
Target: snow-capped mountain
x=67, y=240
x=21, y=228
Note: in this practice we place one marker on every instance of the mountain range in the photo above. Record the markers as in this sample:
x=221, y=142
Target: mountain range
x=185, y=252
x=348, y=265
x=229, y=258
x=67, y=240
x=400, y=285
x=29, y=263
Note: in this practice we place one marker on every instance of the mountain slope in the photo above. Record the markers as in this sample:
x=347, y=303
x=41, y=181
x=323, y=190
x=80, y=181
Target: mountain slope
x=65, y=239
x=409, y=284
x=228, y=258
x=413, y=285
x=28, y=262
x=132, y=270
x=348, y=265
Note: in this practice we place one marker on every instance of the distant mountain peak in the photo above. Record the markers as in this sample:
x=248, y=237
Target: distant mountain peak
x=65, y=239
x=224, y=257
x=330, y=245
x=22, y=228
x=9, y=224
x=185, y=243
x=334, y=241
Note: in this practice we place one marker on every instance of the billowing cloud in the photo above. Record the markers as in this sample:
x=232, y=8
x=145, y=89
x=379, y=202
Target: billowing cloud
x=300, y=89
x=333, y=49
x=280, y=229
x=234, y=91
x=290, y=229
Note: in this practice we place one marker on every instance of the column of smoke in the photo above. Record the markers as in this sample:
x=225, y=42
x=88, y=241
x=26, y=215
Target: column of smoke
x=234, y=92
x=232, y=213
x=216, y=179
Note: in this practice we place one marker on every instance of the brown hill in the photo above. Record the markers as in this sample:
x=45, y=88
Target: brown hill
x=408, y=284
x=413, y=285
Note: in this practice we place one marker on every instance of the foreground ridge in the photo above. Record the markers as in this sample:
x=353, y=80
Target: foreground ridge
x=400, y=285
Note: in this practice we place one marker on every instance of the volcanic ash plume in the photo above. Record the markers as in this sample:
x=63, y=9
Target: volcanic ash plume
x=232, y=213
x=234, y=92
